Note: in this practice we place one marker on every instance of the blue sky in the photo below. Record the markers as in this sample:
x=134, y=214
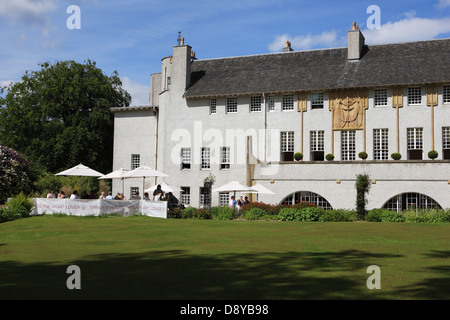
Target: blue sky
x=132, y=36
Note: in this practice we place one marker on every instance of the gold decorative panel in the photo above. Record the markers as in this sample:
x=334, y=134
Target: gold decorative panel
x=397, y=97
x=432, y=95
x=349, y=107
x=301, y=101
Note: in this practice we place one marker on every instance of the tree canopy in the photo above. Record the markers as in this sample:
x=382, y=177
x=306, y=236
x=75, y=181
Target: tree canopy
x=59, y=116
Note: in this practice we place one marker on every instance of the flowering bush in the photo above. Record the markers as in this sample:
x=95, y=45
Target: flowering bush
x=13, y=173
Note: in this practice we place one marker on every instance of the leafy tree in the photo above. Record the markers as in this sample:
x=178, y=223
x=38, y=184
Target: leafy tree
x=59, y=116
x=362, y=188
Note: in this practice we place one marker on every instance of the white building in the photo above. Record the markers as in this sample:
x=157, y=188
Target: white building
x=244, y=118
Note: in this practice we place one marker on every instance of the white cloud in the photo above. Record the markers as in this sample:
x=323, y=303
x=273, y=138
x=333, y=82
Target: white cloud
x=139, y=92
x=325, y=39
x=443, y=4
x=409, y=29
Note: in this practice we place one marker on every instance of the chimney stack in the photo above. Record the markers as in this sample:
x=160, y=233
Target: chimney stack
x=288, y=47
x=355, y=43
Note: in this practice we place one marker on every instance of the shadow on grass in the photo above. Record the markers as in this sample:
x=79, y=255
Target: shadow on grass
x=167, y=275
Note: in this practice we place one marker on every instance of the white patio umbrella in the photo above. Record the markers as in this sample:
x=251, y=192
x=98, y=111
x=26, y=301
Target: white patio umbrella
x=164, y=187
x=144, y=172
x=234, y=186
x=117, y=174
x=80, y=171
x=261, y=189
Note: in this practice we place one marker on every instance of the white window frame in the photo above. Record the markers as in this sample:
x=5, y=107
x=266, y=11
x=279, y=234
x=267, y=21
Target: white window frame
x=186, y=158
x=206, y=158
x=185, y=196
x=135, y=161
x=380, y=98
x=225, y=160
x=287, y=144
x=232, y=105
x=255, y=103
x=446, y=137
x=446, y=94
x=133, y=191
x=287, y=102
x=415, y=138
x=224, y=199
x=380, y=144
x=414, y=96
x=317, y=100
x=213, y=106
x=348, y=145
x=271, y=103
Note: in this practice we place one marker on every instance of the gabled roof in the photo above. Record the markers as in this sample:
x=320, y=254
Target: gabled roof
x=381, y=65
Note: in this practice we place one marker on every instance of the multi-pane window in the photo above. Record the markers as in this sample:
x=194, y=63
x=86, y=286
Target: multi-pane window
x=225, y=158
x=317, y=100
x=206, y=158
x=380, y=144
x=133, y=192
x=185, y=158
x=415, y=143
x=224, y=198
x=287, y=102
x=213, y=106
x=446, y=94
x=135, y=161
x=185, y=196
x=381, y=97
x=232, y=105
x=271, y=103
x=408, y=201
x=415, y=95
x=255, y=103
x=348, y=145
x=446, y=143
x=317, y=145
x=287, y=146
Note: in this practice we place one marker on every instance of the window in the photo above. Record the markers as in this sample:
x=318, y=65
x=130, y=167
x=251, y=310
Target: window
x=206, y=158
x=287, y=146
x=415, y=96
x=185, y=196
x=446, y=143
x=185, y=158
x=255, y=103
x=380, y=144
x=271, y=103
x=348, y=148
x=415, y=143
x=213, y=106
x=224, y=198
x=288, y=102
x=411, y=201
x=135, y=161
x=380, y=97
x=317, y=101
x=225, y=158
x=232, y=105
x=133, y=191
x=446, y=94
x=317, y=145
x=307, y=196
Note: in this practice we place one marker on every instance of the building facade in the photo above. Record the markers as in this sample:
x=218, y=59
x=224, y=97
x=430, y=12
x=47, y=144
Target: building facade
x=245, y=118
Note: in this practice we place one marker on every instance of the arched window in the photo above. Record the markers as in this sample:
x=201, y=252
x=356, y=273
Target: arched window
x=307, y=196
x=410, y=200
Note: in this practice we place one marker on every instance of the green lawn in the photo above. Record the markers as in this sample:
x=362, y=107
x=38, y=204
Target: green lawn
x=148, y=258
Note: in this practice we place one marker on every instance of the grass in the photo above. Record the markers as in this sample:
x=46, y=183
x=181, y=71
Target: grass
x=148, y=258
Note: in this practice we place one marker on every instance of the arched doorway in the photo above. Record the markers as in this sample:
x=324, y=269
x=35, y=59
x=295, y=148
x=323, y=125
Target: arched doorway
x=307, y=196
x=410, y=200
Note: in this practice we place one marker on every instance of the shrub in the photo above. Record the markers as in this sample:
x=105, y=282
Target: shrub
x=201, y=214
x=362, y=188
x=287, y=214
x=375, y=215
x=310, y=214
x=222, y=213
x=427, y=216
x=298, y=156
x=392, y=216
x=339, y=215
x=363, y=155
x=255, y=214
x=433, y=154
x=329, y=157
x=396, y=156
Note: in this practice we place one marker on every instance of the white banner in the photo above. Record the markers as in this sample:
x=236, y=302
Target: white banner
x=96, y=207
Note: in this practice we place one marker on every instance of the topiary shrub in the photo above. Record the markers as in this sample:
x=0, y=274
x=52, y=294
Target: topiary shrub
x=329, y=157
x=396, y=156
x=298, y=156
x=433, y=154
x=363, y=155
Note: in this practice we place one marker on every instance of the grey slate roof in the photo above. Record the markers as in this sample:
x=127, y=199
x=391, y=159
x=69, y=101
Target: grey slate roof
x=381, y=65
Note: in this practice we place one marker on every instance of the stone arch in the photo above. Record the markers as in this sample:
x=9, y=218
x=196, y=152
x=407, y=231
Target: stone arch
x=406, y=200
x=307, y=196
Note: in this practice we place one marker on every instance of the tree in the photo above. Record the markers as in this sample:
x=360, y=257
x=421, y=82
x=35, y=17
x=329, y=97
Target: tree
x=60, y=115
x=362, y=187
